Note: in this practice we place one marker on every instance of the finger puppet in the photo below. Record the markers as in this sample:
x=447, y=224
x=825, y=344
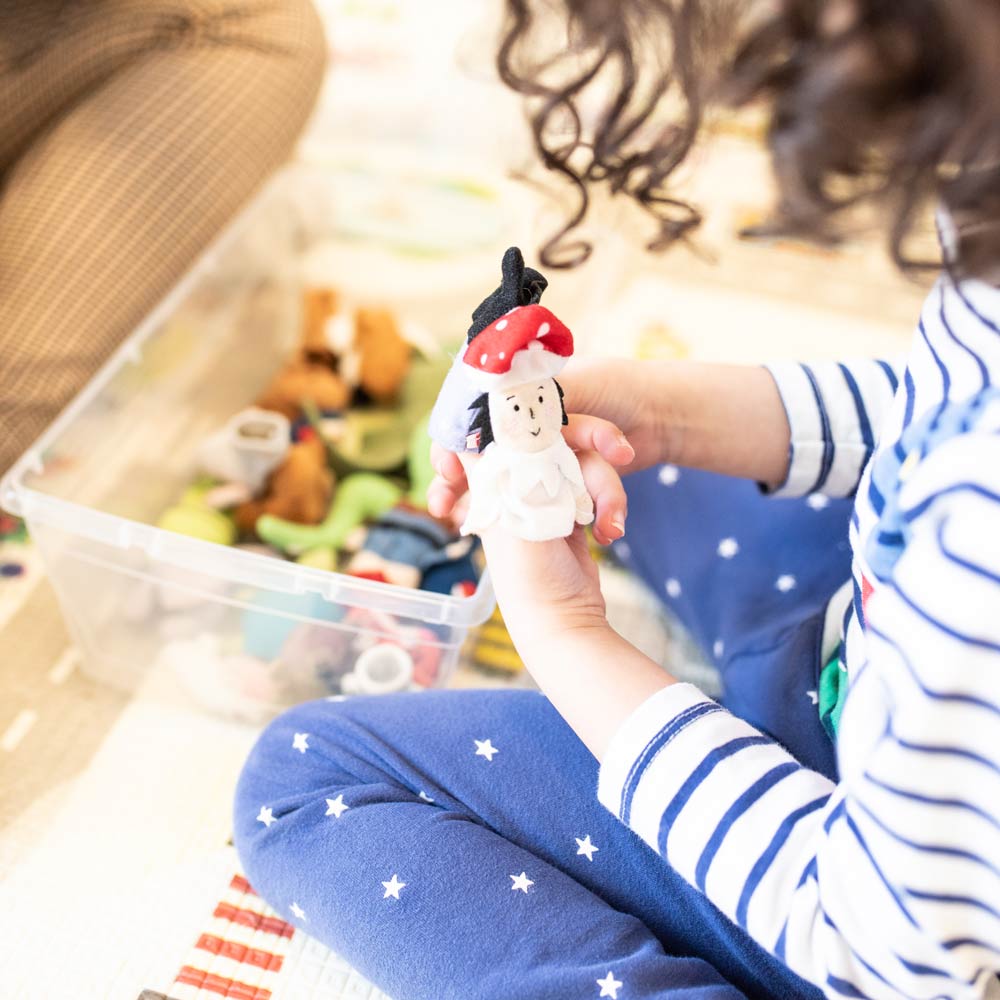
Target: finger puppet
x=526, y=477
x=521, y=286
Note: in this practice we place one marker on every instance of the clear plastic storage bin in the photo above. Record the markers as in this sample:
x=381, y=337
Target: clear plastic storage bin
x=244, y=633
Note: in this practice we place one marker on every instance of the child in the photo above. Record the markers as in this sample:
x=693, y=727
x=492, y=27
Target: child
x=801, y=840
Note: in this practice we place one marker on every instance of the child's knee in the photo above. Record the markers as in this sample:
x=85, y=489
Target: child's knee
x=296, y=757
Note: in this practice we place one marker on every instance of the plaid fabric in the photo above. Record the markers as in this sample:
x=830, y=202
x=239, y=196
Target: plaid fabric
x=130, y=132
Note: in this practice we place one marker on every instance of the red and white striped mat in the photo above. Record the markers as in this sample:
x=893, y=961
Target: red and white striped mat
x=247, y=952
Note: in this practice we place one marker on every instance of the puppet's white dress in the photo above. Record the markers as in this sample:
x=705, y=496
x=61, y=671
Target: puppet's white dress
x=534, y=495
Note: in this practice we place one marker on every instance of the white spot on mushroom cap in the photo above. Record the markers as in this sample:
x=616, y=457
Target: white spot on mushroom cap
x=482, y=358
x=543, y=329
x=502, y=355
x=501, y=324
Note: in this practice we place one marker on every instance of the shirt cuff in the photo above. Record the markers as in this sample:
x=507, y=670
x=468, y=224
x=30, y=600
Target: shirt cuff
x=809, y=447
x=660, y=719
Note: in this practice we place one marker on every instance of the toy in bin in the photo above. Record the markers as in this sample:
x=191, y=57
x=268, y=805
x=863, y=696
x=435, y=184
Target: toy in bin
x=502, y=410
x=364, y=652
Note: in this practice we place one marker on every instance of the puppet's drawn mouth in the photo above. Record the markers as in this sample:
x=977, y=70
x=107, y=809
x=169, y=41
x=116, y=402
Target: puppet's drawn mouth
x=536, y=433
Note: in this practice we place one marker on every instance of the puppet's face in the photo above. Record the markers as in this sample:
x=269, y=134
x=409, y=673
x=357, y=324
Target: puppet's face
x=527, y=417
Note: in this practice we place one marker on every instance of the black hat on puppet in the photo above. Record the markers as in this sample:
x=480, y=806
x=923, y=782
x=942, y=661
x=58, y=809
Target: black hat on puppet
x=520, y=286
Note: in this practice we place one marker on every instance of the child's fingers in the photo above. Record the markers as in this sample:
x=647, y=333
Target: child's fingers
x=447, y=465
x=587, y=433
x=442, y=497
x=610, y=503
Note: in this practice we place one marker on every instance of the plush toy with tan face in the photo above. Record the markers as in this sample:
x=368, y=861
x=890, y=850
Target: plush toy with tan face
x=526, y=477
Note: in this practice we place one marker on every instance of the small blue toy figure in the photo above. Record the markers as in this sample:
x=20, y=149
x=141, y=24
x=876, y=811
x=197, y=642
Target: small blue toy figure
x=403, y=545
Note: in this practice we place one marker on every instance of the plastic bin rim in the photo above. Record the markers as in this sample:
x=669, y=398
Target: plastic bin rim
x=236, y=566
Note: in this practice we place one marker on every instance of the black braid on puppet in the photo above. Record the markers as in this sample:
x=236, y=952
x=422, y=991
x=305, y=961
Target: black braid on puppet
x=501, y=399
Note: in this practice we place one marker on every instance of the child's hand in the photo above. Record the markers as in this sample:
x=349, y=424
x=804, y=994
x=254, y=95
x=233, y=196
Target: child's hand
x=545, y=589
x=550, y=597
x=601, y=446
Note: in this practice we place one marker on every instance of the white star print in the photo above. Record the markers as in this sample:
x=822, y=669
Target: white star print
x=718, y=648
x=586, y=847
x=298, y=912
x=817, y=501
x=426, y=797
x=484, y=748
x=785, y=583
x=673, y=587
x=609, y=986
x=813, y=696
x=300, y=742
x=521, y=882
x=265, y=816
x=728, y=547
x=336, y=807
x=669, y=475
x=623, y=550
x=392, y=887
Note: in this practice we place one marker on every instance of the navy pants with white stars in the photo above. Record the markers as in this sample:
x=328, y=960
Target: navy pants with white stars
x=450, y=844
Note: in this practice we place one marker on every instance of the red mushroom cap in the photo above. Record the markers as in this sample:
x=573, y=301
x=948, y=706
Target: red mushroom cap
x=526, y=328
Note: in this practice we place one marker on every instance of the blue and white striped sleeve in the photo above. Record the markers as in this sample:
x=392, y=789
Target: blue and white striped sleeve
x=834, y=411
x=887, y=884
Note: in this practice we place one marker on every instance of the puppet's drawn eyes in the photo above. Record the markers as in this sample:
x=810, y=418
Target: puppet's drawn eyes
x=540, y=400
x=516, y=407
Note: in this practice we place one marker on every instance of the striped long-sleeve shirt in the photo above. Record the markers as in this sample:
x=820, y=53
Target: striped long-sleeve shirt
x=886, y=884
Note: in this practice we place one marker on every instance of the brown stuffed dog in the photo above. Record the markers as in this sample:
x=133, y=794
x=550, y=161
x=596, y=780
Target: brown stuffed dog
x=319, y=305
x=301, y=381
x=313, y=373
x=299, y=489
x=384, y=354
x=373, y=357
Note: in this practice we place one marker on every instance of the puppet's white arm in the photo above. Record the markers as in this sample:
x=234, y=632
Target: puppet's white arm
x=569, y=465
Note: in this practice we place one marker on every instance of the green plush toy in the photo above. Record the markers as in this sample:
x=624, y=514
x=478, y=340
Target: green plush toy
x=378, y=438
x=361, y=497
x=192, y=516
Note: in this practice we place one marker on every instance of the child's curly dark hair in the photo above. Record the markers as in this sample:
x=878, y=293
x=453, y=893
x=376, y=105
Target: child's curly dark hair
x=894, y=102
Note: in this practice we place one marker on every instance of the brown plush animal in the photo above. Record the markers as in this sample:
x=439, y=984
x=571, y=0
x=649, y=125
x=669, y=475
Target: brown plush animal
x=384, y=354
x=302, y=380
x=319, y=305
x=299, y=490
x=313, y=372
x=376, y=359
